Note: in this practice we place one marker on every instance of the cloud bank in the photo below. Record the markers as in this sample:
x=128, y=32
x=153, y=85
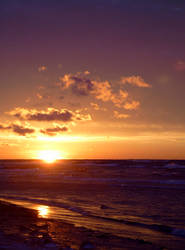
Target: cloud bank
x=48, y=115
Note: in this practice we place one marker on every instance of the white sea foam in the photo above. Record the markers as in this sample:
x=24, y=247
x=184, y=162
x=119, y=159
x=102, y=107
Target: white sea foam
x=173, y=166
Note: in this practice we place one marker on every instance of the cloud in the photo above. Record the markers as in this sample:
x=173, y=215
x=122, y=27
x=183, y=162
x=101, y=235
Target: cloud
x=81, y=85
x=119, y=99
x=120, y=116
x=42, y=68
x=86, y=72
x=4, y=127
x=95, y=106
x=80, y=117
x=50, y=114
x=42, y=96
x=180, y=65
x=102, y=91
x=39, y=96
x=18, y=129
x=55, y=130
x=131, y=105
x=135, y=80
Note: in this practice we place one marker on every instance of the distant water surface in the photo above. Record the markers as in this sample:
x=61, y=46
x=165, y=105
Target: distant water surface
x=139, y=199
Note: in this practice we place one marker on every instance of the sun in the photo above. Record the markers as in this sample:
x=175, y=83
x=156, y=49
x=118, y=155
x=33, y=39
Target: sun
x=50, y=156
x=43, y=211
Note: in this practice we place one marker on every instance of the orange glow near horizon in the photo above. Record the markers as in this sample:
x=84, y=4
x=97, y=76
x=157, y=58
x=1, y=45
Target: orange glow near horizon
x=49, y=156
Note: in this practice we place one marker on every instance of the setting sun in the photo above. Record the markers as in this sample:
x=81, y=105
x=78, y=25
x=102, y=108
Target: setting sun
x=49, y=156
x=43, y=211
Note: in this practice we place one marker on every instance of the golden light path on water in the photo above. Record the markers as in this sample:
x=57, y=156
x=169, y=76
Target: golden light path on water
x=43, y=211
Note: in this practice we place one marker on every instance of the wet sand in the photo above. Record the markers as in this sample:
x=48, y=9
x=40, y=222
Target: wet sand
x=21, y=228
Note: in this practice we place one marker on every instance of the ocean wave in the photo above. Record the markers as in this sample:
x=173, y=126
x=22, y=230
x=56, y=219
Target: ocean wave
x=173, y=165
x=18, y=172
x=178, y=232
x=164, y=229
x=53, y=203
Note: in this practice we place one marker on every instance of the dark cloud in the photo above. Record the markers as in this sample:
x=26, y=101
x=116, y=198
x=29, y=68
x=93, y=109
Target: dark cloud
x=4, y=127
x=48, y=115
x=20, y=130
x=82, y=87
x=55, y=130
x=55, y=115
x=79, y=84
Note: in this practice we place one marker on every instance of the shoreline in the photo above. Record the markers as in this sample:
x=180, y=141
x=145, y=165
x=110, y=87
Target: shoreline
x=22, y=227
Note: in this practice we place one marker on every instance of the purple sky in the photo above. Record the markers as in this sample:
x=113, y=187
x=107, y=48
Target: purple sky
x=131, y=55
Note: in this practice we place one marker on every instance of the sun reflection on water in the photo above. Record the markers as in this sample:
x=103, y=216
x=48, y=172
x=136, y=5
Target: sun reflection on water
x=43, y=211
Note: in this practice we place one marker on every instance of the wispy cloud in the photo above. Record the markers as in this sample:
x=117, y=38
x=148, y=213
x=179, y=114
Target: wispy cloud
x=133, y=105
x=42, y=68
x=118, y=115
x=136, y=81
x=97, y=107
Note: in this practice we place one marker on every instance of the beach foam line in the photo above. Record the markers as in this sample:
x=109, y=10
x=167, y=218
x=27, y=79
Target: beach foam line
x=21, y=228
x=165, y=229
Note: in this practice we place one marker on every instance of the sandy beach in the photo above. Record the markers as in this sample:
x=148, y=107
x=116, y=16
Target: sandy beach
x=21, y=228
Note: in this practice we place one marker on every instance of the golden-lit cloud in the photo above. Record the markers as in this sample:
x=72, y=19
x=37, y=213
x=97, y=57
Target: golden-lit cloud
x=42, y=68
x=95, y=106
x=119, y=99
x=42, y=96
x=131, y=105
x=102, y=90
x=48, y=115
x=136, y=81
x=81, y=85
x=118, y=115
x=39, y=96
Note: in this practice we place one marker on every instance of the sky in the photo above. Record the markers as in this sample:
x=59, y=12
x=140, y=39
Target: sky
x=92, y=78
